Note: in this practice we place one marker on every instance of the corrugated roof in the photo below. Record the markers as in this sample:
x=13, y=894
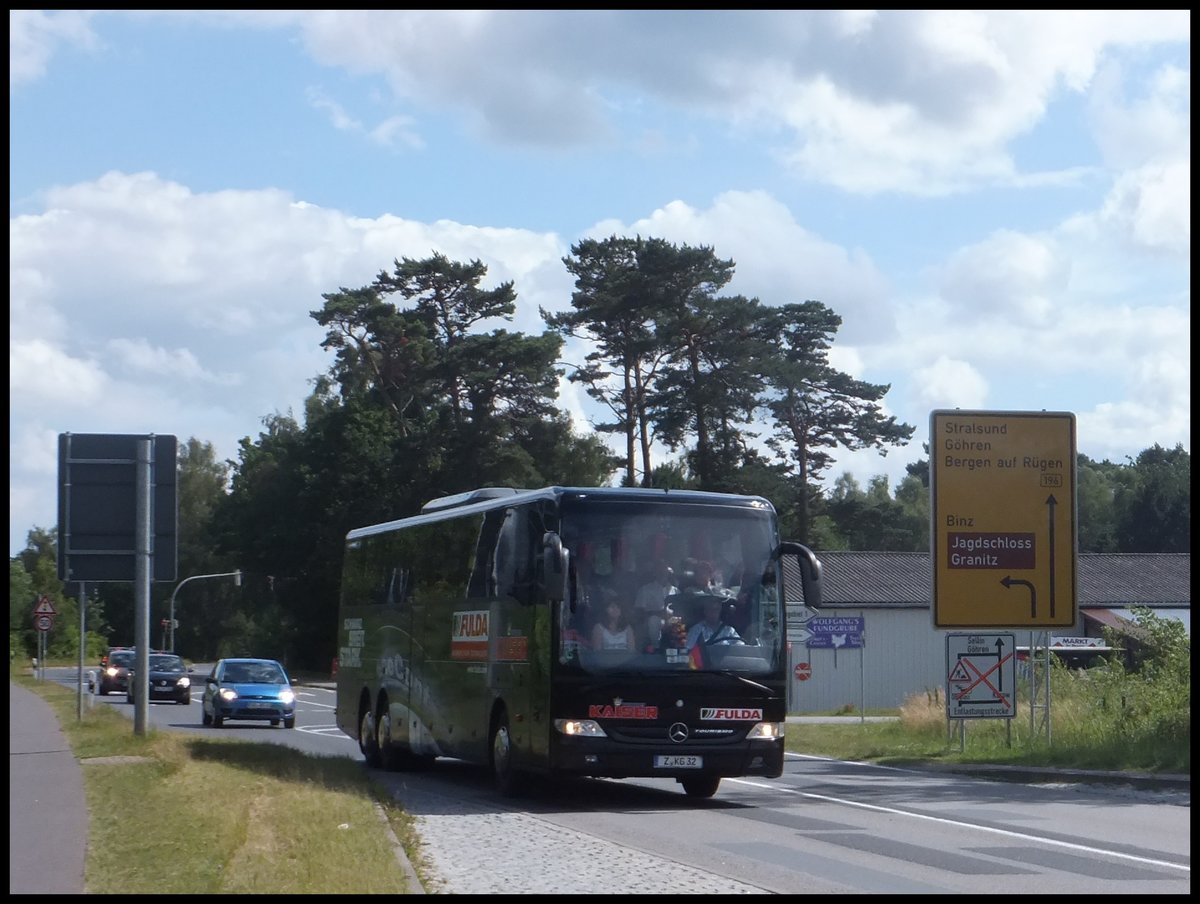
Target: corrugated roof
x=1111, y=580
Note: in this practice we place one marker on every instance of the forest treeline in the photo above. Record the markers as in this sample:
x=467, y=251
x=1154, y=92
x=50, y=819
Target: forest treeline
x=430, y=394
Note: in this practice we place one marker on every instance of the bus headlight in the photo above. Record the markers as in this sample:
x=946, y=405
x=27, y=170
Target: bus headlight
x=766, y=731
x=580, y=728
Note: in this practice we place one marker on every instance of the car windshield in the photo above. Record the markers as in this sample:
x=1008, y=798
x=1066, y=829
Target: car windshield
x=121, y=659
x=166, y=664
x=254, y=673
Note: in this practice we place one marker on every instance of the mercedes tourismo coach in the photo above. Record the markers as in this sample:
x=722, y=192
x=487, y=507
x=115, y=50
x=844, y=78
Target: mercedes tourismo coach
x=467, y=631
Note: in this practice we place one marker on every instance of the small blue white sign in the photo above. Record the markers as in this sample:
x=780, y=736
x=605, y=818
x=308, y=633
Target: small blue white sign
x=835, y=632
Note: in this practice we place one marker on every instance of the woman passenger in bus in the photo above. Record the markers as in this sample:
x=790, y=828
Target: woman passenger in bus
x=613, y=632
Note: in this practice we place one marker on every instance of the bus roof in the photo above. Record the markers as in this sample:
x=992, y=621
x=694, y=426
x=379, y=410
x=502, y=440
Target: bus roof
x=485, y=498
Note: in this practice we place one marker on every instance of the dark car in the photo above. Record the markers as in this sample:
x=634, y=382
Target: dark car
x=168, y=679
x=109, y=652
x=114, y=675
x=248, y=689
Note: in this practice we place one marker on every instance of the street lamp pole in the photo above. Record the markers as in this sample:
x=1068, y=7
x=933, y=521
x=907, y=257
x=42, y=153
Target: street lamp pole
x=237, y=580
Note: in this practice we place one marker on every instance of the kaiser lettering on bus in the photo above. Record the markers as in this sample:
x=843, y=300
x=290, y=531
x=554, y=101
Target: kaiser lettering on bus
x=622, y=711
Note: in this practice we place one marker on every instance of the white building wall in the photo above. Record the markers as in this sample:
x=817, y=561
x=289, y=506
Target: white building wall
x=903, y=654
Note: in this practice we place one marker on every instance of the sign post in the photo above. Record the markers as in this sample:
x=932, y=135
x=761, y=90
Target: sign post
x=1002, y=513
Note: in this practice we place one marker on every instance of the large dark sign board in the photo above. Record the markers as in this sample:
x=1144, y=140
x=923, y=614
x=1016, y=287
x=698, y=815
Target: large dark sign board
x=97, y=506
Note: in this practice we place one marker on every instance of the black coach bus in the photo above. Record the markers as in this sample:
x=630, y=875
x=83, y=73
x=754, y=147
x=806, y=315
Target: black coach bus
x=524, y=630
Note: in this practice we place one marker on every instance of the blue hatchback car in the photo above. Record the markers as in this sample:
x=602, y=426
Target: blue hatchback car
x=248, y=689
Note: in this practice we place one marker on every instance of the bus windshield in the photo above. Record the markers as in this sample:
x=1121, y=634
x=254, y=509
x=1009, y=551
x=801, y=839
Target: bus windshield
x=669, y=587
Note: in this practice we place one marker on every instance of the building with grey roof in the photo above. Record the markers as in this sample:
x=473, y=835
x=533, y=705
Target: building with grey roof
x=899, y=652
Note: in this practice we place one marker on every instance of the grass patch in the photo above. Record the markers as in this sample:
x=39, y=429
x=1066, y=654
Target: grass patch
x=1091, y=726
x=207, y=816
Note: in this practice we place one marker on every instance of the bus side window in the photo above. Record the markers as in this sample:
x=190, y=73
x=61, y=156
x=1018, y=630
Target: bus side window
x=399, y=586
x=514, y=557
x=481, y=584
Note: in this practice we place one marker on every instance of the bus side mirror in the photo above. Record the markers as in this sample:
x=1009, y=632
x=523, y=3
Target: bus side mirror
x=555, y=559
x=798, y=561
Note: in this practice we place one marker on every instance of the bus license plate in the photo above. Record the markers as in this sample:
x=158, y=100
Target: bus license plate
x=679, y=762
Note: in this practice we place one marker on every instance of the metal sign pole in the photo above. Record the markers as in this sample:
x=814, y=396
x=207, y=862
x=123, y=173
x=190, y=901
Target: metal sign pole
x=141, y=595
x=862, y=680
x=82, y=645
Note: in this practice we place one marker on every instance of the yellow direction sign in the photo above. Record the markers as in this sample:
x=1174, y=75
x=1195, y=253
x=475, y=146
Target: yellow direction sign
x=1002, y=513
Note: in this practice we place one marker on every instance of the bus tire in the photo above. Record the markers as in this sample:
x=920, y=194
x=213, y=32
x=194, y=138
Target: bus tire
x=507, y=779
x=366, y=737
x=391, y=758
x=701, y=786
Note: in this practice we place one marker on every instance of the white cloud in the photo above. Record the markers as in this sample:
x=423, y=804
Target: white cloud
x=1005, y=278
x=923, y=102
x=777, y=260
x=41, y=375
x=1152, y=207
x=34, y=35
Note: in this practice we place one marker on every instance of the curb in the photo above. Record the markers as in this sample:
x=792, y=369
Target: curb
x=414, y=886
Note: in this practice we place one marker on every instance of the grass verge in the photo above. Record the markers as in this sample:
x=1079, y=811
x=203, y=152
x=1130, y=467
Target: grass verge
x=1081, y=733
x=177, y=814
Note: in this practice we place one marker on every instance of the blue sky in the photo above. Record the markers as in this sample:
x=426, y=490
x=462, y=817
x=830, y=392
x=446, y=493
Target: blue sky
x=996, y=203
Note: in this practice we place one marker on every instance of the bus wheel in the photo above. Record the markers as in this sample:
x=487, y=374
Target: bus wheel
x=506, y=777
x=389, y=757
x=705, y=786
x=366, y=738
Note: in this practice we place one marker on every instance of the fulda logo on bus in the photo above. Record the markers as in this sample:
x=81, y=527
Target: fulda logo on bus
x=470, y=625
x=469, y=635
x=713, y=714
x=622, y=711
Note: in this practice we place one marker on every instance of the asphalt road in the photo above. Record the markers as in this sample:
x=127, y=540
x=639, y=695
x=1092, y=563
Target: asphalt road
x=824, y=827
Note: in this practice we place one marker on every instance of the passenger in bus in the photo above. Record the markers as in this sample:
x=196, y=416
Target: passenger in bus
x=651, y=605
x=696, y=576
x=593, y=588
x=614, y=632
x=712, y=629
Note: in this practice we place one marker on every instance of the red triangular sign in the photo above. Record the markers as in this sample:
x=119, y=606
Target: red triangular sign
x=959, y=672
x=44, y=607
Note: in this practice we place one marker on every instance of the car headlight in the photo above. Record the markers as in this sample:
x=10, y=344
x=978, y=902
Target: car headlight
x=586, y=728
x=228, y=693
x=185, y=681
x=287, y=696
x=766, y=730
x=110, y=672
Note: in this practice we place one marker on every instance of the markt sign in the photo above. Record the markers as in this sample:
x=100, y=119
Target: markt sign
x=1003, y=521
